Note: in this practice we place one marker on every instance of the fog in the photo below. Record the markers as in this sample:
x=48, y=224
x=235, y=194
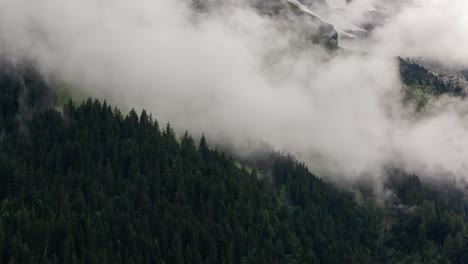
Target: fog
x=431, y=29
x=239, y=76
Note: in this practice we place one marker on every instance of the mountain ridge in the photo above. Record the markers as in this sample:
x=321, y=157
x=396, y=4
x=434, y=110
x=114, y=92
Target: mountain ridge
x=88, y=184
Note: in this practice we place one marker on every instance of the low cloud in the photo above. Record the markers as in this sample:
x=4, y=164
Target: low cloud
x=233, y=73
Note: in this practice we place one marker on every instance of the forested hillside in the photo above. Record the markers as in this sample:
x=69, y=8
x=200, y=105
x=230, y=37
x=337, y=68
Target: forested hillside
x=88, y=184
x=422, y=85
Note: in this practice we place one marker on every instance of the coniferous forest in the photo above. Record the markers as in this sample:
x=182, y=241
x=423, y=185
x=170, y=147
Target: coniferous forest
x=86, y=183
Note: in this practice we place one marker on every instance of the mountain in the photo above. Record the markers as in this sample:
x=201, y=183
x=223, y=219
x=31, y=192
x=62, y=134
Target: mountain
x=87, y=184
x=81, y=182
x=23, y=91
x=421, y=84
x=91, y=185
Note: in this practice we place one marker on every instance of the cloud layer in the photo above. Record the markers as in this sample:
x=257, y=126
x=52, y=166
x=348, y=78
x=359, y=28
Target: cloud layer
x=233, y=73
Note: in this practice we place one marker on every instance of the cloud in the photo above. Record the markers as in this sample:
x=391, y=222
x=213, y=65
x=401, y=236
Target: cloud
x=233, y=73
x=431, y=29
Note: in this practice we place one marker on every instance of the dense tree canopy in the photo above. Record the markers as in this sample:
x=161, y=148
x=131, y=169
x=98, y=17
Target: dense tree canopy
x=423, y=85
x=87, y=184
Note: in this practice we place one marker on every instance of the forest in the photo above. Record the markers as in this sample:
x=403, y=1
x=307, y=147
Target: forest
x=86, y=183
x=423, y=85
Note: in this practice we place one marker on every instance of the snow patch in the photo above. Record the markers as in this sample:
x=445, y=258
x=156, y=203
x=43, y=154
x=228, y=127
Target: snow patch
x=340, y=25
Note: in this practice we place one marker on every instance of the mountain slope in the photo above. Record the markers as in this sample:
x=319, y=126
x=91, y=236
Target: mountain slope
x=94, y=186
x=421, y=85
x=89, y=185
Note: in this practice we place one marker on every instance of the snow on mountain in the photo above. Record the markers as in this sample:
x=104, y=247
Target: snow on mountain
x=341, y=25
x=306, y=10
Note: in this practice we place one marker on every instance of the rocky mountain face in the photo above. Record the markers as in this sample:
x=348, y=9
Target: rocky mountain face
x=307, y=27
x=320, y=6
x=456, y=79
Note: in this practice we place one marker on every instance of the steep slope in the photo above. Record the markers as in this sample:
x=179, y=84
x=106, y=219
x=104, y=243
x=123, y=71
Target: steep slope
x=331, y=16
x=306, y=25
x=23, y=92
x=421, y=85
x=89, y=185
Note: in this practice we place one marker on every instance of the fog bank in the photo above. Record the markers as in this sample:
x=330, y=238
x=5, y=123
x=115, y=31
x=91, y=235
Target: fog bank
x=233, y=73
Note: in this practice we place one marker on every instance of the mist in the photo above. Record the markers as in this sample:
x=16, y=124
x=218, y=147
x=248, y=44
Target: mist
x=237, y=75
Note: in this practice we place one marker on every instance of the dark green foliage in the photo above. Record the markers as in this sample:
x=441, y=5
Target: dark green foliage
x=421, y=84
x=90, y=185
x=430, y=222
x=94, y=186
x=23, y=91
x=413, y=74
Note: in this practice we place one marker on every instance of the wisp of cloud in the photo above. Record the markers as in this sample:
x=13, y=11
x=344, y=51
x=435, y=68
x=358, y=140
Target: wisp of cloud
x=231, y=72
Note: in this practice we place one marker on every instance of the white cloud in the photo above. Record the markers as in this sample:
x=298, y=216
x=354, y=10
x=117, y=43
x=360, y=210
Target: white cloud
x=236, y=73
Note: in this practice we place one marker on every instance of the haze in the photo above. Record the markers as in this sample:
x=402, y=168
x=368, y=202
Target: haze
x=234, y=74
